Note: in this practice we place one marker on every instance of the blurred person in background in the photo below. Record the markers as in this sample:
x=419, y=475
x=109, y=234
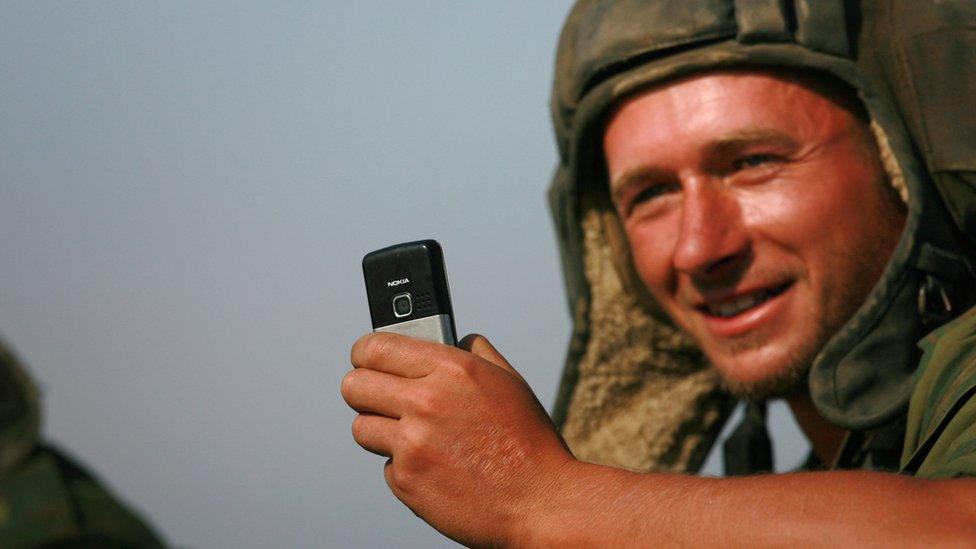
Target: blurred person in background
x=46, y=498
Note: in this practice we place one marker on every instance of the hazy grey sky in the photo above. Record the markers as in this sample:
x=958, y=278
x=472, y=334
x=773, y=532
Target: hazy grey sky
x=186, y=191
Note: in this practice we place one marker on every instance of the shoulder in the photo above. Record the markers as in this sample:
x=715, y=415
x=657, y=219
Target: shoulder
x=20, y=414
x=940, y=439
x=49, y=499
x=45, y=496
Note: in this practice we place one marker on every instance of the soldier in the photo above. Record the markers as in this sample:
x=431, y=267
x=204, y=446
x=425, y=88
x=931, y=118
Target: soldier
x=755, y=199
x=46, y=499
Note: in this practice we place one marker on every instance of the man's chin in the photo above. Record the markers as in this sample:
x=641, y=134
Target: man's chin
x=758, y=370
x=786, y=384
x=783, y=381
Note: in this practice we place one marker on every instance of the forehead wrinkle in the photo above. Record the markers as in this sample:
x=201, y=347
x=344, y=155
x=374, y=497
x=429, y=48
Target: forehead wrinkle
x=809, y=127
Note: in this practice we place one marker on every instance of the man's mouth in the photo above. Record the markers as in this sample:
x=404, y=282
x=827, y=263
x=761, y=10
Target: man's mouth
x=738, y=305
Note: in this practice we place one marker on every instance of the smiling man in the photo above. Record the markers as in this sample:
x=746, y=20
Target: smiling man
x=744, y=197
x=755, y=199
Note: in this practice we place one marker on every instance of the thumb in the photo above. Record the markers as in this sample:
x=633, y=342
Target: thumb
x=479, y=346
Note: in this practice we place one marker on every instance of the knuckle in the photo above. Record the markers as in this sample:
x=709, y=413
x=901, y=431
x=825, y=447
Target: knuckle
x=356, y=350
x=369, y=349
x=462, y=370
x=424, y=401
x=357, y=426
x=359, y=429
x=398, y=478
x=348, y=384
x=413, y=459
x=415, y=445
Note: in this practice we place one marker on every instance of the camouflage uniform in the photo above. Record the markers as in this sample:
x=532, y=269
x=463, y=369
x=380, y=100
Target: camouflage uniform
x=636, y=392
x=941, y=434
x=45, y=498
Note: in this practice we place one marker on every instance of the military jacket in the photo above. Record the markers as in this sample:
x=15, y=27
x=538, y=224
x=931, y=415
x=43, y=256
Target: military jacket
x=940, y=439
x=46, y=498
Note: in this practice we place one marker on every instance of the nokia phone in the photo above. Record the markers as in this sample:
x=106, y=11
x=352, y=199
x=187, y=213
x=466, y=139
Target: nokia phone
x=406, y=287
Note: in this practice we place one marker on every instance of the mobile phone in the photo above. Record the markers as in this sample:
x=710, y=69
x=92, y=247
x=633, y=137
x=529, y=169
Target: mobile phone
x=406, y=287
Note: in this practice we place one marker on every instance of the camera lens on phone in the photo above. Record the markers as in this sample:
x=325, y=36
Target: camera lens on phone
x=402, y=305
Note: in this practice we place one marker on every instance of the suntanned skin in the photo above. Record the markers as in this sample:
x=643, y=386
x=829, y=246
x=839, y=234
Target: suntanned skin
x=737, y=184
x=825, y=438
x=474, y=454
x=730, y=156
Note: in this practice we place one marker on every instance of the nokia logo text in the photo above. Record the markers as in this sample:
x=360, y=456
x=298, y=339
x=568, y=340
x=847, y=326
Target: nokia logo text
x=397, y=282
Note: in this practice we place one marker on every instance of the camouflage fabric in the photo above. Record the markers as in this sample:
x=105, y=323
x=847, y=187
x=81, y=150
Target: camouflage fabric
x=46, y=499
x=941, y=431
x=635, y=391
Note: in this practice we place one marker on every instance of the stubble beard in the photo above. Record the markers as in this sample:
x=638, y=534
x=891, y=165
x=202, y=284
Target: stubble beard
x=789, y=380
x=786, y=378
x=787, y=374
x=790, y=376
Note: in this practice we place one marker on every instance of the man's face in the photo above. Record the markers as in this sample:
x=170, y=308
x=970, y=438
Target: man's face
x=758, y=215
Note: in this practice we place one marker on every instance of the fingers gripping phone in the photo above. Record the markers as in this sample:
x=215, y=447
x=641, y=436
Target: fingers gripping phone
x=406, y=287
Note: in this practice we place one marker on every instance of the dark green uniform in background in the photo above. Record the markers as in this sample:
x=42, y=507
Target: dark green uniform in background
x=46, y=499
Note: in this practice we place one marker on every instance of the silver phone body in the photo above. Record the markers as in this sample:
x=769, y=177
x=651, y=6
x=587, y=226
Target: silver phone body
x=438, y=328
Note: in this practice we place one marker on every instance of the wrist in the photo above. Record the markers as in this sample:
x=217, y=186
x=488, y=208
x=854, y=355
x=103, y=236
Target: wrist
x=588, y=504
x=554, y=513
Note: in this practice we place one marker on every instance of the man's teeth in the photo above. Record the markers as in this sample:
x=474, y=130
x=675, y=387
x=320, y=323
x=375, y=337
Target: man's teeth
x=741, y=304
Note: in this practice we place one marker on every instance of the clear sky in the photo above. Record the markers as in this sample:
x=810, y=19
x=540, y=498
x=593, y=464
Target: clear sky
x=186, y=192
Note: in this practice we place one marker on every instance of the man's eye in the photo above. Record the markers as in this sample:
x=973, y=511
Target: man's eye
x=752, y=161
x=649, y=194
x=653, y=191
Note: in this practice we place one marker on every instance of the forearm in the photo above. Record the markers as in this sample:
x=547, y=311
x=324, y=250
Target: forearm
x=474, y=454
x=596, y=505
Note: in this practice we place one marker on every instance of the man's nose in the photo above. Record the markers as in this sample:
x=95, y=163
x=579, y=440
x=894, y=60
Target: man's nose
x=712, y=238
